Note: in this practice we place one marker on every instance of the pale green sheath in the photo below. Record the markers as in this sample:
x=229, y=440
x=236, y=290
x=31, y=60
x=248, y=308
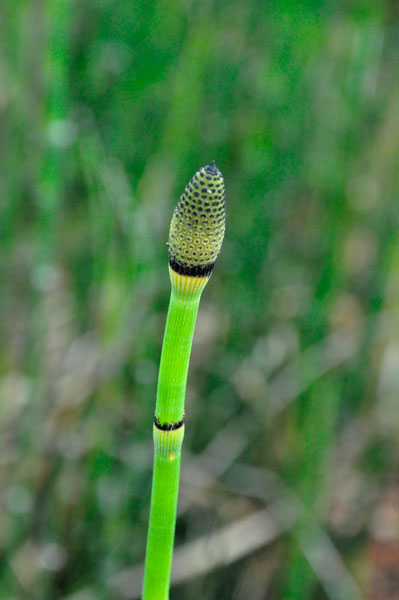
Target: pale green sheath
x=195, y=239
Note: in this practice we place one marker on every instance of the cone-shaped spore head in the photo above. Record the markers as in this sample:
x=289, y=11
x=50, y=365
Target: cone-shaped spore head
x=198, y=224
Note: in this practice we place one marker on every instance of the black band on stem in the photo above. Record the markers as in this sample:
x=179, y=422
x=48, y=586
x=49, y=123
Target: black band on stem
x=168, y=426
x=191, y=271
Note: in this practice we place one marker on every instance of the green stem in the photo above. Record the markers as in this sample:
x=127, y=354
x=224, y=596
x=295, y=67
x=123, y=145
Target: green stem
x=175, y=357
x=161, y=530
x=195, y=238
x=169, y=433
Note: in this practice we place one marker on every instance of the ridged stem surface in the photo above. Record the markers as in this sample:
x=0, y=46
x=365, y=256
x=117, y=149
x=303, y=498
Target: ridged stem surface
x=175, y=358
x=161, y=529
x=169, y=413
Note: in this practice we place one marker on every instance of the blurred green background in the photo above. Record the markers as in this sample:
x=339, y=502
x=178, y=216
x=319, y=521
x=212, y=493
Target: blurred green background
x=291, y=458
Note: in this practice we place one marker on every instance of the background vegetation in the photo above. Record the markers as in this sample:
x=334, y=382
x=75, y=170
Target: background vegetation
x=290, y=477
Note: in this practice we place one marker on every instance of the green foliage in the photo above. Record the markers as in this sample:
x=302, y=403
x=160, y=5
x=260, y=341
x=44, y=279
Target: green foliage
x=106, y=109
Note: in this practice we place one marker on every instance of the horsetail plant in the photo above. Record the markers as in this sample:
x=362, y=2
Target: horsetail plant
x=195, y=239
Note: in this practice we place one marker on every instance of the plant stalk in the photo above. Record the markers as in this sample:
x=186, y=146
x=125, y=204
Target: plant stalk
x=195, y=239
x=168, y=439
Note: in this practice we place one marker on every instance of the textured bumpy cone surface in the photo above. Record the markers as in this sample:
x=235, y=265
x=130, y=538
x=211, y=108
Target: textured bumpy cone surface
x=198, y=223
